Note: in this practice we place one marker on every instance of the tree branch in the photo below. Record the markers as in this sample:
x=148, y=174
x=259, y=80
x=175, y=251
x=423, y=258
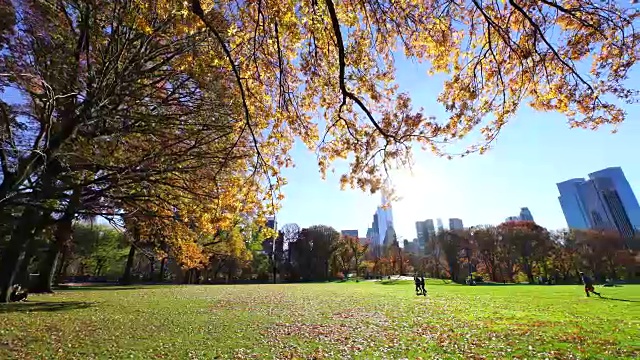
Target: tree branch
x=342, y=63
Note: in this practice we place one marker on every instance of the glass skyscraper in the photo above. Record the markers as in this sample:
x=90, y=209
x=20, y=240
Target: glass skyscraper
x=525, y=214
x=604, y=202
x=571, y=204
x=624, y=191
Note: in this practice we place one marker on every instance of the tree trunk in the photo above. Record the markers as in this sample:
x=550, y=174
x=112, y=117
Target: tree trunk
x=163, y=266
x=126, y=277
x=527, y=269
x=62, y=270
x=23, y=273
x=15, y=252
x=152, y=267
x=48, y=265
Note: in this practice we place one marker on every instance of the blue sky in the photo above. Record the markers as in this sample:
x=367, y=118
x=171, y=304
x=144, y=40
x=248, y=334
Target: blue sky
x=533, y=152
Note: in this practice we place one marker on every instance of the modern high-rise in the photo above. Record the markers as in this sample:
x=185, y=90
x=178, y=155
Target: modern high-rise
x=604, y=202
x=422, y=235
x=525, y=214
x=455, y=224
x=440, y=226
x=430, y=235
x=385, y=220
x=624, y=192
x=572, y=205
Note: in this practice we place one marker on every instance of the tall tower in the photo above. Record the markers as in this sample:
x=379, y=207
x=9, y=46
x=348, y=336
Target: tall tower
x=604, y=202
x=385, y=216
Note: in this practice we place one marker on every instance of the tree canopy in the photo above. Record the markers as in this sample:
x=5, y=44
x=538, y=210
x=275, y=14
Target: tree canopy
x=177, y=117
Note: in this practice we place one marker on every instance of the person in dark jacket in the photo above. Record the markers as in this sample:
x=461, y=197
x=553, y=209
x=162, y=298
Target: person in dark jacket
x=416, y=280
x=424, y=291
x=588, y=285
x=17, y=294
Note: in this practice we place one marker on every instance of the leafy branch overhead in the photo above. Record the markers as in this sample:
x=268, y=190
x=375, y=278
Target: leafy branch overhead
x=296, y=62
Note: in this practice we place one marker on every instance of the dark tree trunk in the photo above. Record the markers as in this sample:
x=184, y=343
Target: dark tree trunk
x=15, y=252
x=528, y=271
x=49, y=264
x=23, y=273
x=126, y=277
x=163, y=266
x=152, y=267
x=47, y=267
x=64, y=263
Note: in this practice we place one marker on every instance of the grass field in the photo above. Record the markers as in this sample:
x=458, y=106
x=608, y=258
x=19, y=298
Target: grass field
x=333, y=320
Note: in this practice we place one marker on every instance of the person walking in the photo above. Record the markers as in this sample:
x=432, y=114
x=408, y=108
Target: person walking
x=416, y=280
x=588, y=285
x=422, y=289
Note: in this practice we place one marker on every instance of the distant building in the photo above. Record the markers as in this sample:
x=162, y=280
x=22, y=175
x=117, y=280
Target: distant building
x=455, y=224
x=430, y=232
x=410, y=247
x=525, y=214
x=352, y=233
x=604, y=202
x=440, y=226
x=384, y=219
x=390, y=236
x=422, y=235
x=572, y=204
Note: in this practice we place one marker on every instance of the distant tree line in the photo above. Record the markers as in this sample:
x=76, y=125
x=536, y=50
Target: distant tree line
x=516, y=251
x=522, y=251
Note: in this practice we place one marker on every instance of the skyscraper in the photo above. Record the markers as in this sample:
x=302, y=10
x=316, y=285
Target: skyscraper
x=525, y=214
x=604, y=202
x=422, y=235
x=571, y=204
x=385, y=219
x=440, y=226
x=430, y=235
x=624, y=191
x=455, y=224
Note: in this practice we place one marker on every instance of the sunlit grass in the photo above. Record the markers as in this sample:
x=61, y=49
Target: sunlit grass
x=334, y=320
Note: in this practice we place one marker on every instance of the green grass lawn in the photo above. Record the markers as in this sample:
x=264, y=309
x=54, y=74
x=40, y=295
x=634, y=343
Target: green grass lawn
x=333, y=320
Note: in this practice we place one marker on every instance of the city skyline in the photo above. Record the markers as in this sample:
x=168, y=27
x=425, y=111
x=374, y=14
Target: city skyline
x=572, y=206
x=480, y=189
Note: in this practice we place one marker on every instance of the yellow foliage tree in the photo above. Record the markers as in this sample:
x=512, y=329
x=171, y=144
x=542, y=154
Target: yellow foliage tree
x=296, y=62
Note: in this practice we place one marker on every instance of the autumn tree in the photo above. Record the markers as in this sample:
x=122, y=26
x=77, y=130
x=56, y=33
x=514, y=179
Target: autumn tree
x=452, y=244
x=486, y=245
x=565, y=257
x=602, y=252
x=330, y=65
x=342, y=258
x=313, y=251
x=359, y=250
x=157, y=129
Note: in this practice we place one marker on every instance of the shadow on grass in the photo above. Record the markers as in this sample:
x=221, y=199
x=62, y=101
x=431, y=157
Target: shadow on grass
x=99, y=288
x=44, y=306
x=624, y=300
x=395, y=282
